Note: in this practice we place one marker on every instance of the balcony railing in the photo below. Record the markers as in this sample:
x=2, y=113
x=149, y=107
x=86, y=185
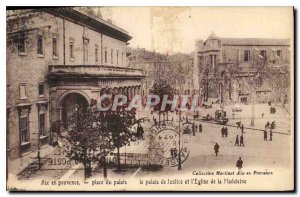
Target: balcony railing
x=94, y=70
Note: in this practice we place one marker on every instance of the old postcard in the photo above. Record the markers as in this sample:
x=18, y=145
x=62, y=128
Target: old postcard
x=150, y=99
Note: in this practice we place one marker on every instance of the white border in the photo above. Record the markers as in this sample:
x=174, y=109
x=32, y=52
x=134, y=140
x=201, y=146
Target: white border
x=109, y=3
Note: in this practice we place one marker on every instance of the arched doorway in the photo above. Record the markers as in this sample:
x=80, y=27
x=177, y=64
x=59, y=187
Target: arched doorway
x=68, y=105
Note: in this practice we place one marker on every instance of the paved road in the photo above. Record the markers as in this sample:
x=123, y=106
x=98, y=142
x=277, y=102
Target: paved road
x=255, y=153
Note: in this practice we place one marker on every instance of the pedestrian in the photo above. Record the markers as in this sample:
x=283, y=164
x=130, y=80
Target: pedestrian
x=216, y=148
x=271, y=134
x=262, y=115
x=226, y=131
x=265, y=135
x=222, y=132
x=242, y=140
x=237, y=140
x=238, y=124
x=242, y=128
x=239, y=164
x=267, y=125
x=200, y=128
x=196, y=127
x=233, y=115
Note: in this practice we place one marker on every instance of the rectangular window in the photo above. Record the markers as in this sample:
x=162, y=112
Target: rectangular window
x=85, y=50
x=23, y=91
x=54, y=47
x=112, y=56
x=105, y=56
x=117, y=57
x=41, y=89
x=72, y=57
x=21, y=44
x=96, y=54
x=279, y=53
x=246, y=55
x=24, y=129
x=213, y=62
x=40, y=50
x=42, y=124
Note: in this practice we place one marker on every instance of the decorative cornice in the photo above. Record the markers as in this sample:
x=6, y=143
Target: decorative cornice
x=92, y=22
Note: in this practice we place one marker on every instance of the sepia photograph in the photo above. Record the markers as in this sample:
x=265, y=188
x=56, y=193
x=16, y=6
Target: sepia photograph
x=103, y=98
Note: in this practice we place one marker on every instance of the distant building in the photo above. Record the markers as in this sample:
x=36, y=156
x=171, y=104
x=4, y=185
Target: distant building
x=57, y=58
x=154, y=65
x=223, y=66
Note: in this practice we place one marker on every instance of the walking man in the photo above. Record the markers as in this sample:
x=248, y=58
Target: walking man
x=265, y=135
x=222, y=132
x=226, y=131
x=237, y=140
x=267, y=125
x=238, y=124
x=242, y=128
x=239, y=164
x=242, y=140
x=271, y=135
x=216, y=149
x=200, y=128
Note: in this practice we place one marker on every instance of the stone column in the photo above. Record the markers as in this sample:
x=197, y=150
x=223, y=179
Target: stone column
x=133, y=91
x=129, y=93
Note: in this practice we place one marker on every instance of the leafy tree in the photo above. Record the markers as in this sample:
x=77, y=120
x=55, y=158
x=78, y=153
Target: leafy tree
x=118, y=123
x=82, y=137
x=161, y=88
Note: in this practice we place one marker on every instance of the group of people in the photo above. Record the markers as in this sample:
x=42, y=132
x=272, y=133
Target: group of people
x=266, y=135
x=196, y=128
x=268, y=126
x=224, y=131
x=239, y=163
x=239, y=141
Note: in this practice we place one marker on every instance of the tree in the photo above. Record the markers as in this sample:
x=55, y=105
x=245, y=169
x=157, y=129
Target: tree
x=256, y=72
x=82, y=137
x=118, y=123
x=161, y=88
x=104, y=144
x=89, y=138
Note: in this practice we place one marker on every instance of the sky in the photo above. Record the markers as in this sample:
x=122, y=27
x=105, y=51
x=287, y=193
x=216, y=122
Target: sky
x=175, y=29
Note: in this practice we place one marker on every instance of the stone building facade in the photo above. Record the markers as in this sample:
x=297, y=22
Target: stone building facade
x=225, y=68
x=57, y=58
